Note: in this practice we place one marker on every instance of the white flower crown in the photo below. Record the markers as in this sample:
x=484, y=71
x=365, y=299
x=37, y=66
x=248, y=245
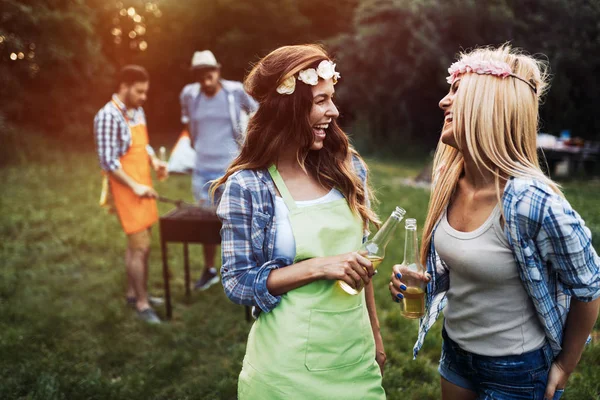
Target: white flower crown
x=325, y=70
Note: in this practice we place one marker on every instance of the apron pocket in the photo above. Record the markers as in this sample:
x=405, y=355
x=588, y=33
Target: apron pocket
x=336, y=339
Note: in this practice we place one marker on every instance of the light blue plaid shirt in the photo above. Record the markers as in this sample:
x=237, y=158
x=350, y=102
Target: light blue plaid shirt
x=247, y=211
x=552, y=248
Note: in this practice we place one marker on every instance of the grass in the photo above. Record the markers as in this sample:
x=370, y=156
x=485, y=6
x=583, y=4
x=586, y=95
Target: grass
x=65, y=332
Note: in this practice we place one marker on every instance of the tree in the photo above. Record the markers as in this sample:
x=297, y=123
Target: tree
x=50, y=63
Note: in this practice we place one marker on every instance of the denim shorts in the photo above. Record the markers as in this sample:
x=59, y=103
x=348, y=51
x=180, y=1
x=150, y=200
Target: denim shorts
x=500, y=378
x=201, y=181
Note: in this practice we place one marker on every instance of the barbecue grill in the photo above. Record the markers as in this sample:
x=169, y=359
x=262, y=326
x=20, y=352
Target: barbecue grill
x=187, y=224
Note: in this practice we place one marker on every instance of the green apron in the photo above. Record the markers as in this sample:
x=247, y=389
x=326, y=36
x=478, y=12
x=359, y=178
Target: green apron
x=317, y=343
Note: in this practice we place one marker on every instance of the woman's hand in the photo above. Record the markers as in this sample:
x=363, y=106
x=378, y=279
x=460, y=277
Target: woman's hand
x=352, y=268
x=397, y=287
x=557, y=379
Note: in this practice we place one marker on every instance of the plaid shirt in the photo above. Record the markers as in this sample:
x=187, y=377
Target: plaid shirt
x=552, y=248
x=247, y=211
x=112, y=133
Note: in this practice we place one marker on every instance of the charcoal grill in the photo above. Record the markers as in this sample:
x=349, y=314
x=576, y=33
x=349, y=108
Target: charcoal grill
x=187, y=224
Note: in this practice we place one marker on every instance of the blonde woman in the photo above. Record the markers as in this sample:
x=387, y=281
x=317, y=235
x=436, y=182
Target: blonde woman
x=294, y=210
x=507, y=255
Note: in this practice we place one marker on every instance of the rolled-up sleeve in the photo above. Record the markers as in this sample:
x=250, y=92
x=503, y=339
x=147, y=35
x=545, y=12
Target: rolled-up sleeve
x=566, y=244
x=244, y=280
x=185, y=116
x=106, y=135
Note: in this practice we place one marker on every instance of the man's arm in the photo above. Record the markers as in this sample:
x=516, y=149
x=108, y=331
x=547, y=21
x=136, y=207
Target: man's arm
x=137, y=188
x=106, y=135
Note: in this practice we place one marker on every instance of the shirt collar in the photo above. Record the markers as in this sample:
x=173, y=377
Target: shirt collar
x=119, y=103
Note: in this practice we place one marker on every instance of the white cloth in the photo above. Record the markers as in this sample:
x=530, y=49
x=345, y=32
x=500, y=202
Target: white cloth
x=285, y=244
x=488, y=312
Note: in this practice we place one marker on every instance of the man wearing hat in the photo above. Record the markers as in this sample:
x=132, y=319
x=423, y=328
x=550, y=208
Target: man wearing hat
x=212, y=110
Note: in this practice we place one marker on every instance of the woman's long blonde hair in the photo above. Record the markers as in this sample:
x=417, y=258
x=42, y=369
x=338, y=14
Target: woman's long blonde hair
x=283, y=121
x=495, y=120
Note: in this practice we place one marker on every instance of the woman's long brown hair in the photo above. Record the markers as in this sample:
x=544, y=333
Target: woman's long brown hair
x=283, y=121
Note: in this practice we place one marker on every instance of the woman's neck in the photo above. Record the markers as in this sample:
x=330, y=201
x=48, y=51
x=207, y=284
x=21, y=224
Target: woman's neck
x=287, y=163
x=477, y=178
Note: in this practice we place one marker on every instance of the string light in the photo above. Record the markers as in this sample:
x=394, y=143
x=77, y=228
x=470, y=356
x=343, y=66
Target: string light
x=13, y=56
x=132, y=35
x=21, y=55
x=143, y=45
x=123, y=12
x=137, y=18
x=131, y=11
x=140, y=30
x=116, y=31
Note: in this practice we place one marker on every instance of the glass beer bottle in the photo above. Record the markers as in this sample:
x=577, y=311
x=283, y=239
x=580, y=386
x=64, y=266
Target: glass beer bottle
x=413, y=304
x=162, y=156
x=375, y=248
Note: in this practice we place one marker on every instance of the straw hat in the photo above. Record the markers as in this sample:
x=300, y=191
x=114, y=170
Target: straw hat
x=204, y=59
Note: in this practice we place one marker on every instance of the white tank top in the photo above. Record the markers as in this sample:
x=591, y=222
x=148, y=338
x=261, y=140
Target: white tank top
x=488, y=311
x=285, y=245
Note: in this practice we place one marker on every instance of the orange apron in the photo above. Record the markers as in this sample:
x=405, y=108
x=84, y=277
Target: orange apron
x=135, y=213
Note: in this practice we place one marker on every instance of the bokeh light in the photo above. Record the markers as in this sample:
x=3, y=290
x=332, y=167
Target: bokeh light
x=13, y=56
x=143, y=45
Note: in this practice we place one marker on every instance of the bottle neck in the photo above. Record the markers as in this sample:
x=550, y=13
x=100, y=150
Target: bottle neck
x=385, y=234
x=411, y=247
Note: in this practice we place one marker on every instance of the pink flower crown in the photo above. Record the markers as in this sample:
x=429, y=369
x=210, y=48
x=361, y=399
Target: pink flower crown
x=495, y=68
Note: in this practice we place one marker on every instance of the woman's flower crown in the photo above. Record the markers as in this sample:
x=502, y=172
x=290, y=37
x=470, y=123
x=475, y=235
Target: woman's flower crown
x=483, y=67
x=325, y=70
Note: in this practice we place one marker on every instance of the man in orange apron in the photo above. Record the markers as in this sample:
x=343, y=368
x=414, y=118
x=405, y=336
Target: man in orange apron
x=126, y=158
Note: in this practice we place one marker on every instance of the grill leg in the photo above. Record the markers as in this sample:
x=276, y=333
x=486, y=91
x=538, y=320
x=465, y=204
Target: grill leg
x=186, y=265
x=163, y=247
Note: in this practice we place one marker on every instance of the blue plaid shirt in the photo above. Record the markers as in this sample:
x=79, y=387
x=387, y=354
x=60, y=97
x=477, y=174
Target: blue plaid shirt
x=552, y=248
x=247, y=211
x=112, y=133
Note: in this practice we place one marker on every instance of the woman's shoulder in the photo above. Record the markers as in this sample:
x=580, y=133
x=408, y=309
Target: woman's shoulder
x=248, y=178
x=533, y=198
x=523, y=186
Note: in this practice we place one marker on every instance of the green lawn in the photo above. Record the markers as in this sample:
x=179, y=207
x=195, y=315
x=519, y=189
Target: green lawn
x=66, y=334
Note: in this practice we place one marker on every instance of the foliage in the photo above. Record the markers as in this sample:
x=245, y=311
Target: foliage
x=396, y=56
x=392, y=55
x=58, y=64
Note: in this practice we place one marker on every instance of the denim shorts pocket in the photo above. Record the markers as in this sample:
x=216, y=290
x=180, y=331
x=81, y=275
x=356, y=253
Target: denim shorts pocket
x=506, y=391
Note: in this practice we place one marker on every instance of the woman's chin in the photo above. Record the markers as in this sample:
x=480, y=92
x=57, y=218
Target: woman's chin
x=317, y=145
